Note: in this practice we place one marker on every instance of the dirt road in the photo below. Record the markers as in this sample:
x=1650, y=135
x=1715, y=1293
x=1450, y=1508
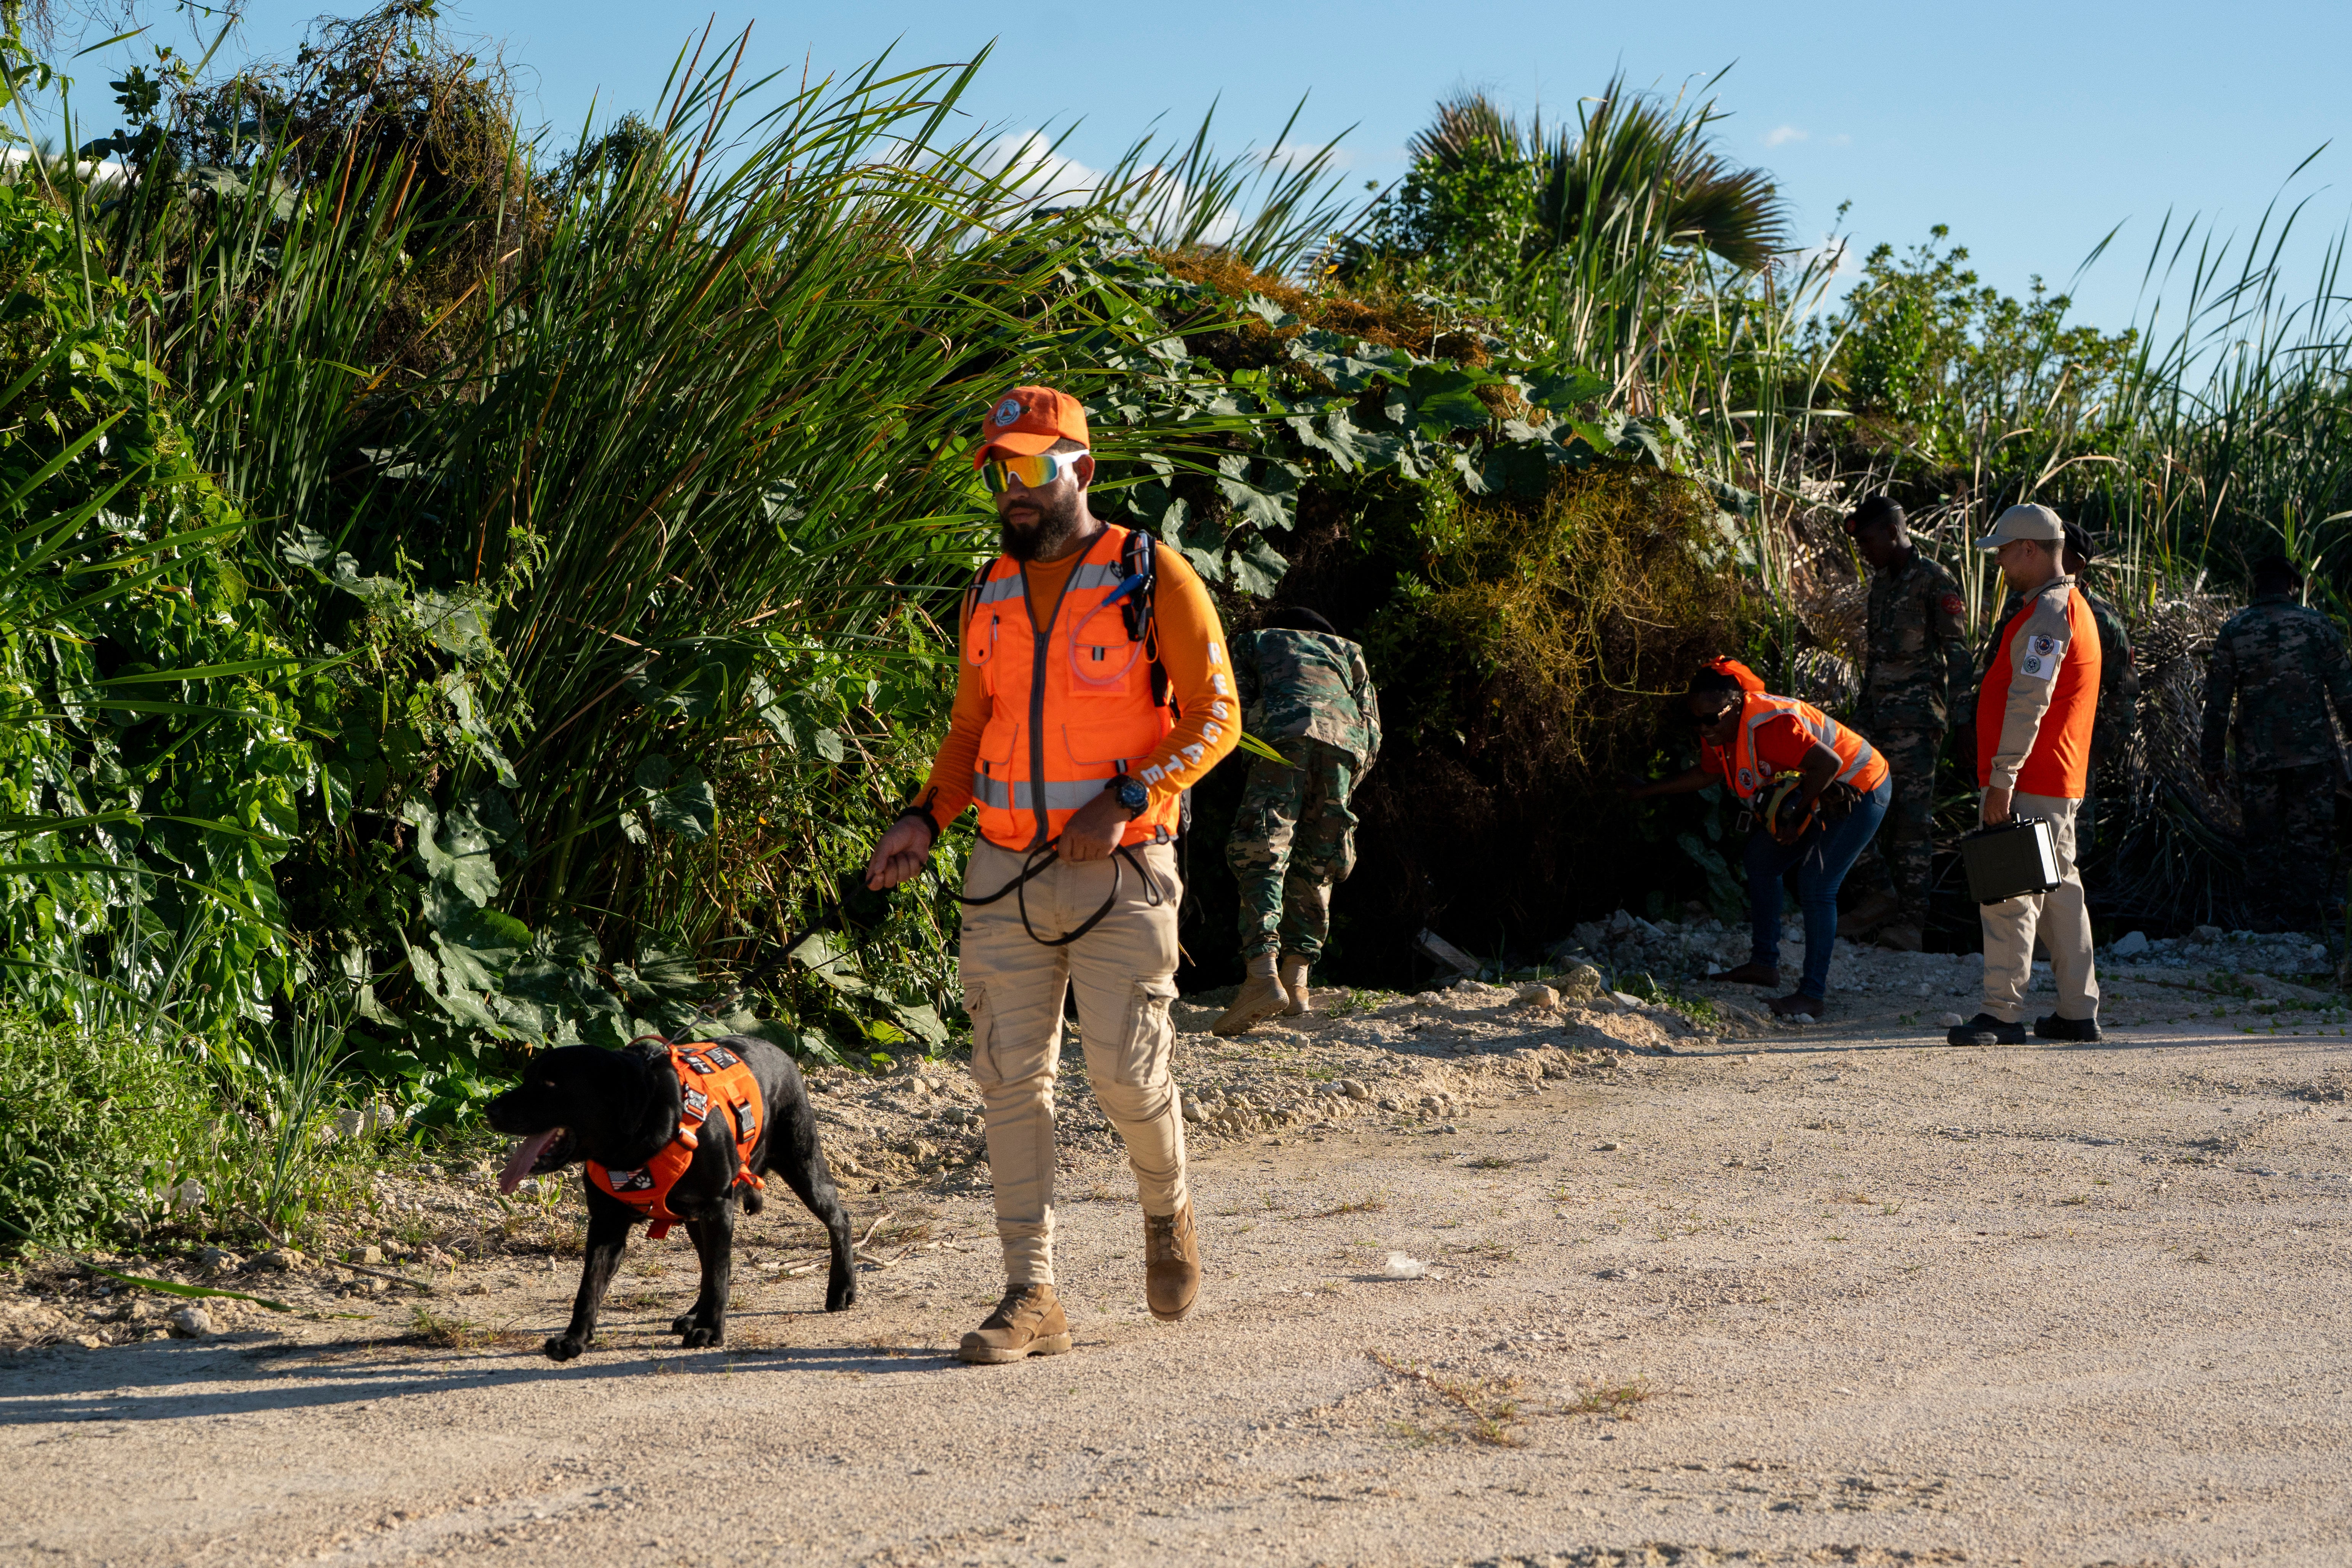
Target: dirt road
x=1826, y=1296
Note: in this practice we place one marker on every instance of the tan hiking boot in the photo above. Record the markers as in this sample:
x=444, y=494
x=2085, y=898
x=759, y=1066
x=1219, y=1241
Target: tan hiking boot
x=1260, y=997
x=1028, y=1322
x=1171, y=1264
x=1902, y=936
x=1293, y=985
x=1875, y=910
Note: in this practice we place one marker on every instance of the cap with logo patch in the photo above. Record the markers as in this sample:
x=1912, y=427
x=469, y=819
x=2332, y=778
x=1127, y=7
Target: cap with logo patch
x=2029, y=522
x=1028, y=420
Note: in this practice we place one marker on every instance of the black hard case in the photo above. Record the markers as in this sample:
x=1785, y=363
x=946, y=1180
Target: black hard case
x=2009, y=861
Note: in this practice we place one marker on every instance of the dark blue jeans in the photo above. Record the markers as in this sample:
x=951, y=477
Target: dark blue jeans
x=1822, y=857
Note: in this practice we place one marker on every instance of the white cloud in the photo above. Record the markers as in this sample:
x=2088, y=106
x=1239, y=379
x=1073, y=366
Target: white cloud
x=1294, y=152
x=1035, y=173
x=1783, y=134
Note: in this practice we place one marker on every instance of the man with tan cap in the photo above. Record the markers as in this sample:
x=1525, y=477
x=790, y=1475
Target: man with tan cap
x=2036, y=710
x=1093, y=690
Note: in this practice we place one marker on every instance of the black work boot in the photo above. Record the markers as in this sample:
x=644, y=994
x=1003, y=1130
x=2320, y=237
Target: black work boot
x=1171, y=1264
x=1984, y=1029
x=2053, y=1027
x=1028, y=1322
x=1750, y=974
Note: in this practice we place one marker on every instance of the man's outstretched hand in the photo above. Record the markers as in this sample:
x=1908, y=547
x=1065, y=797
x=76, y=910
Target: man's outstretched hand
x=900, y=854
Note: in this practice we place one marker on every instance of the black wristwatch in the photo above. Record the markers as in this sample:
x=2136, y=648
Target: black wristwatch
x=1131, y=794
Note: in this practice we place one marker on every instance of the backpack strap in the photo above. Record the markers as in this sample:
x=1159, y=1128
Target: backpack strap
x=970, y=592
x=1138, y=557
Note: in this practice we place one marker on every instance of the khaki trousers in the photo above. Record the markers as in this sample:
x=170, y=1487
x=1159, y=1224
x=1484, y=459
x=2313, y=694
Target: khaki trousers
x=1124, y=972
x=2059, y=917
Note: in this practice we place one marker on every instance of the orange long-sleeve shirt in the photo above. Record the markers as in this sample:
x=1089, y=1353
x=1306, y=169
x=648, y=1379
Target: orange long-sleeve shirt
x=1200, y=678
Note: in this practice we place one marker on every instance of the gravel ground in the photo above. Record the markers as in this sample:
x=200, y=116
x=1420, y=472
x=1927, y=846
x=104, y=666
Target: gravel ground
x=1491, y=1281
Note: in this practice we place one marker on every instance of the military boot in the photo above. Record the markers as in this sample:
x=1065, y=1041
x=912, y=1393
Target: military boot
x=1028, y=1322
x=1171, y=1264
x=1293, y=984
x=1261, y=996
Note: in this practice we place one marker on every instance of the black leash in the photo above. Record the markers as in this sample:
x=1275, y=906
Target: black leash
x=1042, y=859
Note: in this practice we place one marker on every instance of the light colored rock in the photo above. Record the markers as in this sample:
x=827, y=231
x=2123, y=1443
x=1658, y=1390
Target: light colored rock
x=2132, y=945
x=368, y=1255
x=189, y=1323
x=1580, y=982
x=1536, y=997
x=1625, y=1003
x=1354, y=1090
x=2206, y=934
x=1949, y=1020
x=1607, y=1146
x=277, y=1261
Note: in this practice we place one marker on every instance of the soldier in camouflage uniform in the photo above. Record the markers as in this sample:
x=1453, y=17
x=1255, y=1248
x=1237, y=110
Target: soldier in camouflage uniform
x=2118, y=713
x=1306, y=692
x=1916, y=673
x=2283, y=666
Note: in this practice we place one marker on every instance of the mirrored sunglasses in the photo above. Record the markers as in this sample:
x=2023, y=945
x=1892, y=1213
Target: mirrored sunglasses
x=1033, y=472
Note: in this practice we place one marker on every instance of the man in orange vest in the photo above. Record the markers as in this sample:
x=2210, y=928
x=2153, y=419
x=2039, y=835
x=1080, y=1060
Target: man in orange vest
x=1093, y=690
x=2035, y=712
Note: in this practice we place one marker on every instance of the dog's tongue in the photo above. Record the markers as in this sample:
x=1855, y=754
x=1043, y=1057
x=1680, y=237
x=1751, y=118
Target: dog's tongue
x=524, y=1155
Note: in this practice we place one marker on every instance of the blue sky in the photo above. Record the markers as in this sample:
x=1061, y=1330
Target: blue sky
x=2031, y=130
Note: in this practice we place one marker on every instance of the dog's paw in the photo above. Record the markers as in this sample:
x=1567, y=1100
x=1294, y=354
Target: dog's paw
x=682, y=1324
x=699, y=1337
x=754, y=1200
x=563, y=1348
x=842, y=1297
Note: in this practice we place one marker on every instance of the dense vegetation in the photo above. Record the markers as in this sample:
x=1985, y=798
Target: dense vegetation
x=458, y=601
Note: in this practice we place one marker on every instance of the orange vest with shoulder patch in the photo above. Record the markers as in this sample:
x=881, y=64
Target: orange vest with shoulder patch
x=2059, y=765
x=707, y=1075
x=1070, y=699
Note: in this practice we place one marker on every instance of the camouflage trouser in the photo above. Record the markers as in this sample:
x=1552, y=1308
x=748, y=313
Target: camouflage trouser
x=1903, y=855
x=2290, y=837
x=1293, y=839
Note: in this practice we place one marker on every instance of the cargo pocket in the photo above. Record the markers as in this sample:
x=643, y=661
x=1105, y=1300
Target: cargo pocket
x=1143, y=1050
x=983, y=1034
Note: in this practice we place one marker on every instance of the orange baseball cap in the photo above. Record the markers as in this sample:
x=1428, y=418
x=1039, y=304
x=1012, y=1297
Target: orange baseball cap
x=1027, y=420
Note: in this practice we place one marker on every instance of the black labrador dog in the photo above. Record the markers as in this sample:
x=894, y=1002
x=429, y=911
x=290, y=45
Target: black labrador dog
x=621, y=1108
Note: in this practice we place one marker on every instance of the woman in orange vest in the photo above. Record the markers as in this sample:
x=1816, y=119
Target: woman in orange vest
x=1813, y=792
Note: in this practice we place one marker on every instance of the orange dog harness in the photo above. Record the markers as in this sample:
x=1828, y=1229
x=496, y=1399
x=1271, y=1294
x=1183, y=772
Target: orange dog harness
x=707, y=1075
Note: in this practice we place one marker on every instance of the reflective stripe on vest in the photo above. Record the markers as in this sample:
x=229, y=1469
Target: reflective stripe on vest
x=707, y=1075
x=1857, y=758
x=1069, y=709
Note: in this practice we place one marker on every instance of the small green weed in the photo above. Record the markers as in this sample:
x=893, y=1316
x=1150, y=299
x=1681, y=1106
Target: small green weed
x=1489, y=1402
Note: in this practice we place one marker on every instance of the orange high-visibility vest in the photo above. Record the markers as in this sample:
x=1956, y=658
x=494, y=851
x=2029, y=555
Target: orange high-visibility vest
x=1859, y=763
x=1070, y=703
x=2059, y=766
x=707, y=1075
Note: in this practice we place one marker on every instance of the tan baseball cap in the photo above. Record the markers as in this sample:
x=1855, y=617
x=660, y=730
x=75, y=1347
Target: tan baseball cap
x=2030, y=522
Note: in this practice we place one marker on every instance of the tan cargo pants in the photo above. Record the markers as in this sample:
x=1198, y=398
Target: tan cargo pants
x=1124, y=972
x=2059, y=917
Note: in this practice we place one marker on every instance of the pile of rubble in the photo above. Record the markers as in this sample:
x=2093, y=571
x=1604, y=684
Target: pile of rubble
x=2284, y=954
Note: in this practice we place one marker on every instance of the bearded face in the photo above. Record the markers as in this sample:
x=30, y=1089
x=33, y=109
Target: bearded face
x=1038, y=524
